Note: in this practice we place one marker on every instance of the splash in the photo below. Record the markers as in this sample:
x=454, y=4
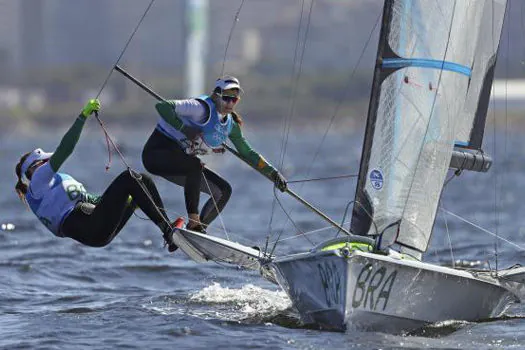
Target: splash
x=248, y=304
x=249, y=299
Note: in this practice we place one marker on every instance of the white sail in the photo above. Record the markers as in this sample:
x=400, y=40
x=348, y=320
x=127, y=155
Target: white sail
x=472, y=118
x=426, y=53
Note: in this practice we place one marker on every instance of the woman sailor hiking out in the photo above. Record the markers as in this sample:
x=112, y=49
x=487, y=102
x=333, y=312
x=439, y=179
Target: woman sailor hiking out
x=191, y=127
x=62, y=204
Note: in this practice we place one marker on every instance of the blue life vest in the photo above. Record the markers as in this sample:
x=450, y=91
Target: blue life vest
x=57, y=201
x=214, y=131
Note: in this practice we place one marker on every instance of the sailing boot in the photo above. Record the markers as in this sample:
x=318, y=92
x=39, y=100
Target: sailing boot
x=195, y=225
x=199, y=228
x=168, y=236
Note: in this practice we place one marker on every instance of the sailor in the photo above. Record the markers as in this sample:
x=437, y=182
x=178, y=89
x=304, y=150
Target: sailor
x=62, y=204
x=196, y=126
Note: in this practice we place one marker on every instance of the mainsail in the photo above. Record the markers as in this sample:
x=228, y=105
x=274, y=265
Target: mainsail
x=430, y=92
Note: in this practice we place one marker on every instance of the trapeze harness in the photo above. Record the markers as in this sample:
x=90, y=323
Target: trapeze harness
x=214, y=131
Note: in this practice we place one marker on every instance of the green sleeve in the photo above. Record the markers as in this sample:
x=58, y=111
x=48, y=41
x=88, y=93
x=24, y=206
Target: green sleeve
x=248, y=153
x=67, y=144
x=166, y=110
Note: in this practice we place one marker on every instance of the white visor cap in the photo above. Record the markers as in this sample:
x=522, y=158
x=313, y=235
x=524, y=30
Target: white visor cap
x=228, y=82
x=36, y=155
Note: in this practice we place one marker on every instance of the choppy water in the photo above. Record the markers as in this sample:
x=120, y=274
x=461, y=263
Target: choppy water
x=57, y=294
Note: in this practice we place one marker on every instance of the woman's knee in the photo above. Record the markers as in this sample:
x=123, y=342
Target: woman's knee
x=124, y=176
x=147, y=180
x=222, y=192
x=226, y=191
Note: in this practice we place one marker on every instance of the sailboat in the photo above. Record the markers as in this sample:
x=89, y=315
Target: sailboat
x=429, y=99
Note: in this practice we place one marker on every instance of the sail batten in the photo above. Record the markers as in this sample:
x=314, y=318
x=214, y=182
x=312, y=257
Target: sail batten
x=425, y=69
x=426, y=63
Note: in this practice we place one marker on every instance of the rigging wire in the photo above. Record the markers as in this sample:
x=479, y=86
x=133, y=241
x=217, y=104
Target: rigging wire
x=222, y=72
x=324, y=178
x=506, y=133
x=344, y=95
x=236, y=19
x=449, y=241
x=344, y=217
x=336, y=110
x=338, y=106
x=306, y=233
x=294, y=81
x=496, y=172
x=232, y=29
x=495, y=235
x=212, y=197
x=109, y=140
x=433, y=101
x=297, y=70
x=523, y=31
x=496, y=217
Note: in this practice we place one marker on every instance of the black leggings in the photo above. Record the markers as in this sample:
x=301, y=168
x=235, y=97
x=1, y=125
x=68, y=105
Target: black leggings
x=164, y=157
x=101, y=226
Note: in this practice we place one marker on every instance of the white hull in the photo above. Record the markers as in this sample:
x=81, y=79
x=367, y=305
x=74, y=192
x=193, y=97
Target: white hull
x=375, y=292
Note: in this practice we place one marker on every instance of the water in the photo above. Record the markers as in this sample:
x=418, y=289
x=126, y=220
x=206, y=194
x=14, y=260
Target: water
x=58, y=294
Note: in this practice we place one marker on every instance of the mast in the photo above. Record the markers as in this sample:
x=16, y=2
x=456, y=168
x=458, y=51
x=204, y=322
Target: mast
x=362, y=211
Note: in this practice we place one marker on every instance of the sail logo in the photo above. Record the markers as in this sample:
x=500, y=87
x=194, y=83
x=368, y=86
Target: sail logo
x=376, y=179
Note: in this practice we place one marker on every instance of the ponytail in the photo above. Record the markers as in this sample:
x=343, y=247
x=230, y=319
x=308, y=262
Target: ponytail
x=21, y=187
x=237, y=118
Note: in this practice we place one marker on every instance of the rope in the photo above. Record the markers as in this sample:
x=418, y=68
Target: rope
x=493, y=101
x=506, y=136
x=216, y=206
x=236, y=19
x=294, y=81
x=449, y=241
x=343, y=219
x=337, y=108
x=109, y=140
x=290, y=219
x=433, y=103
x=307, y=233
x=483, y=229
x=324, y=178
x=343, y=97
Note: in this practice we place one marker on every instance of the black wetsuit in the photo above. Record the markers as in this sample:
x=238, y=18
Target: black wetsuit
x=97, y=225
x=164, y=156
x=96, y=220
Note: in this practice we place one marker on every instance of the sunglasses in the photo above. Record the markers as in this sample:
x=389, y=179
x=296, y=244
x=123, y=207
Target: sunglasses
x=227, y=98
